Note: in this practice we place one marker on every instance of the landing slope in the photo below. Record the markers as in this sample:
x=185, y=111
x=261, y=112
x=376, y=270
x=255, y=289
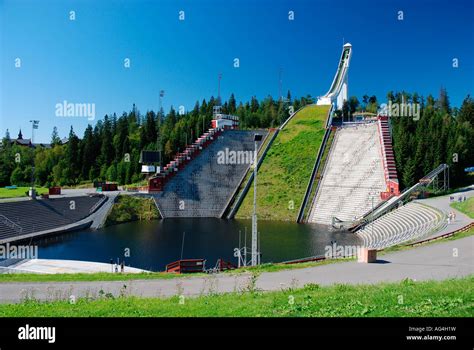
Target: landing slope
x=285, y=172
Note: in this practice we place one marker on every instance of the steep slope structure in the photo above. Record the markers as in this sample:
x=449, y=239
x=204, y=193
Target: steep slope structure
x=286, y=169
x=204, y=186
x=354, y=175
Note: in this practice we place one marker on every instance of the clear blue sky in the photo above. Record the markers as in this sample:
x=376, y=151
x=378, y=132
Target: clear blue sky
x=82, y=60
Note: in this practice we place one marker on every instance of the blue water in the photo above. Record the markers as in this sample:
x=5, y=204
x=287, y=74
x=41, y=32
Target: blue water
x=154, y=244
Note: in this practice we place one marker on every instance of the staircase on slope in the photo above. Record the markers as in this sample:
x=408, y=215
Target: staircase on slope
x=203, y=187
x=388, y=157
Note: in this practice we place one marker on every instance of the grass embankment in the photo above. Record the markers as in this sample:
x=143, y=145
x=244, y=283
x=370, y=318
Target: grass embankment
x=286, y=169
x=86, y=277
x=466, y=207
x=449, y=298
x=129, y=208
x=20, y=192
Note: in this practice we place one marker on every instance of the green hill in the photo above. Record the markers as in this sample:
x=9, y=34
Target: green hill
x=286, y=169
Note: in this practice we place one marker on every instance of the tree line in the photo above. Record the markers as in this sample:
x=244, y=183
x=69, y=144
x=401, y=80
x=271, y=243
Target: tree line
x=441, y=135
x=110, y=150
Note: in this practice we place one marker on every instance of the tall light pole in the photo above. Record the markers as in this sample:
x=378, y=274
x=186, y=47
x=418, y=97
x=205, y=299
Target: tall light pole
x=158, y=140
x=255, y=253
x=34, y=125
x=372, y=193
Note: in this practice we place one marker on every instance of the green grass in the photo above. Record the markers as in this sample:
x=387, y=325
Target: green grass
x=20, y=192
x=82, y=277
x=449, y=298
x=103, y=276
x=129, y=208
x=286, y=170
x=466, y=207
x=249, y=173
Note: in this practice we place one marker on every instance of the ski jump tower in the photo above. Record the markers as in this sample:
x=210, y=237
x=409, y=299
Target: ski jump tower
x=337, y=94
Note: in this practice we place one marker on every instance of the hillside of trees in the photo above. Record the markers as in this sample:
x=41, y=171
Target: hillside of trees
x=110, y=150
x=442, y=135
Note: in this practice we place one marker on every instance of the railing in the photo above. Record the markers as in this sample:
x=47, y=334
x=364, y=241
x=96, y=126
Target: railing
x=158, y=207
x=341, y=69
x=445, y=235
x=7, y=222
x=388, y=206
x=98, y=204
x=432, y=174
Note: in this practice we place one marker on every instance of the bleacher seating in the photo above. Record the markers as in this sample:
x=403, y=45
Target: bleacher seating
x=203, y=186
x=29, y=216
x=352, y=177
x=409, y=222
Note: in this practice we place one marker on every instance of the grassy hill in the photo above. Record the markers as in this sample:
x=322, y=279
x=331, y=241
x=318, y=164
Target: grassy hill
x=286, y=169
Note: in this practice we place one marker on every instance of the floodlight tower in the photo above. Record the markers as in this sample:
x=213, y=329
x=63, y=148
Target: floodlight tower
x=255, y=254
x=158, y=141
x=34, y=125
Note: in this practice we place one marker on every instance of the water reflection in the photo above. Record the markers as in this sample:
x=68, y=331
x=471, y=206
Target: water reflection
x=154, y=244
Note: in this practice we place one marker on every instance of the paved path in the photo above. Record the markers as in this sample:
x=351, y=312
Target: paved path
x=436, y=261
x=442, y=203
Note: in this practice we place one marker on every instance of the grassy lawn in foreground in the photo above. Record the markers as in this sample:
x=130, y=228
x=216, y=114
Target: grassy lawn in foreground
x=19, y=192
x=466, y=207
x=449, y=298
x=286, y=169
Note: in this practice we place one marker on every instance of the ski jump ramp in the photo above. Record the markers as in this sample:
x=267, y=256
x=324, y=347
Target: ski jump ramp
x=337, y=93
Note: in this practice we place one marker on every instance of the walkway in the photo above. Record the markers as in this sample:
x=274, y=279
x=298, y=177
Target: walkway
x=442, y=203
x=437, y=261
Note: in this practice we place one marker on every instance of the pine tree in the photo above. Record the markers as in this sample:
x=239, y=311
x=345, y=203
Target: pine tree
x=55, y=139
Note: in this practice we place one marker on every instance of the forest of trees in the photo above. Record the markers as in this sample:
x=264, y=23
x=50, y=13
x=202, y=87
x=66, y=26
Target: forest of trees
x=110, y=150
x=442, y=135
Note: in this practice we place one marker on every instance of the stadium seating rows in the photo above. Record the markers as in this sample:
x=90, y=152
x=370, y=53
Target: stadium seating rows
x=409, y=222
x=29, y=216
x=353, y=175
